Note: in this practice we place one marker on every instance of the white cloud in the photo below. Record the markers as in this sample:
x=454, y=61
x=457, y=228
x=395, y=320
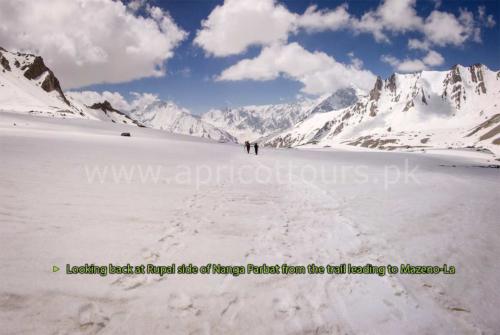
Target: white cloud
x=432, y=58
x=416, y=44
x=396, y=15
x=236, y=25
x=318, y=72
x=407, y=65
x=443, y=28
x=439, y=28
x=91, y=41
x=391, y=60
x=486, y=20
x=138, y=100
x=355, y=61
x=313, y=20
x=135, y=5
x=370, y=24
x=91, y=97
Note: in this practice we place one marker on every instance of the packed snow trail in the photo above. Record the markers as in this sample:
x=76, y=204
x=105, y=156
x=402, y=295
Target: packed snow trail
x=51, y=214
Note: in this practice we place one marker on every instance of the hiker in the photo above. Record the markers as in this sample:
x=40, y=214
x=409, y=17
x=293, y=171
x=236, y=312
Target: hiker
x=247, y=145
x=256, y=148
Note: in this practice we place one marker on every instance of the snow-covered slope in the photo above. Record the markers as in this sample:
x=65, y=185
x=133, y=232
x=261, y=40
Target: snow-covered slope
x=255, y=122
x=170, y=117
x=73, y=192
x=455, y=108
x=27, y=85
x=105, y=112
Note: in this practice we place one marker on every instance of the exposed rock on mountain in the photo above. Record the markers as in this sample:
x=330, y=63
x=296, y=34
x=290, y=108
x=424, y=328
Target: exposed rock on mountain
x=455, y=108
x=112, y=114
x=27, y=84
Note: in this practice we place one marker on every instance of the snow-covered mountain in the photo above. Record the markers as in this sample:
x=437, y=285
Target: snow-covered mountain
x=105, y=112
x=170, y=117
x=338, y=100
x=455, y=108
x=27, y=85
x=256, y=122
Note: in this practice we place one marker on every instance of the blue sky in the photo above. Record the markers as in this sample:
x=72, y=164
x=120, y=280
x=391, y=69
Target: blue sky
x=191, y=72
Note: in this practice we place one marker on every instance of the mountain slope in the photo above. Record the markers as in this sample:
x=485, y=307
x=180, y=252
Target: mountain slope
x=255, y=122
x=105, y=112
x=455, y=108
x=172, y=118
x=27, y=85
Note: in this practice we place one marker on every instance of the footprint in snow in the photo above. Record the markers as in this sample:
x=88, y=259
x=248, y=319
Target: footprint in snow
x=91, y=318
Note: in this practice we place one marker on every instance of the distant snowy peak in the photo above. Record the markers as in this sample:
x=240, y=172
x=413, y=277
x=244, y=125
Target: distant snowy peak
x=260, y=121
x=172, y=118
x=454, y=108
x=253, y=122
x=340, y=99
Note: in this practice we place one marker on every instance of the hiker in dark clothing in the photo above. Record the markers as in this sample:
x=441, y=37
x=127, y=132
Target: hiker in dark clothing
x=256, y=148
x=247, y=145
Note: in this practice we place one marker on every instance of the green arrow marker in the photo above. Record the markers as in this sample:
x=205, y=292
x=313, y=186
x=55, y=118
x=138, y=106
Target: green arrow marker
x=55, y=268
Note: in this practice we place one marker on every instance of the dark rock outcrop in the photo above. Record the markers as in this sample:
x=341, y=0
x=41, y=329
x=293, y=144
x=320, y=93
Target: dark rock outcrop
x=476, y=72
x=4, y=62
x=453, y=80
x=391, y=83
x=105, y=107
x=424, y=100
x=409, y=105
x=455, y=75
x=375, y=92
x=50, y=83
x=36, y=69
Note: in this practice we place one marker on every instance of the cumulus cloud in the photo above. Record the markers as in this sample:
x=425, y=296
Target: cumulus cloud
x=432, y=58
x=92, y=41
x=392, y=15
x=439, y=28
x=118, y=101
x=416, y=44
x=443, y=28
x=314, y=20
x=236, y=25
x=318, y=72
